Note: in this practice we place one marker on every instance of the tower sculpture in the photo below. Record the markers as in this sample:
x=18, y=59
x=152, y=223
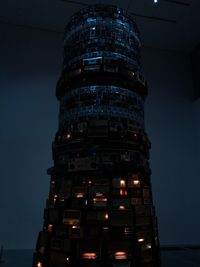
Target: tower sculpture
x=99, y=212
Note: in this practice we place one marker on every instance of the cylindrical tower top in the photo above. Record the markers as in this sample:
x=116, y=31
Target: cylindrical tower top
x=102, y=28
x=101, y=40
x=99, y=12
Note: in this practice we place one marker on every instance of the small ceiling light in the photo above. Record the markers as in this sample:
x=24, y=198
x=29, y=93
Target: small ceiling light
x=155, y=1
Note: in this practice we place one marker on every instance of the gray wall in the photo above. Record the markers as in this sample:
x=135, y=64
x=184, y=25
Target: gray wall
x=29, y=68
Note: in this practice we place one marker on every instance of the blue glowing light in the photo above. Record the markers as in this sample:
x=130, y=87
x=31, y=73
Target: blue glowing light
x=91, y=20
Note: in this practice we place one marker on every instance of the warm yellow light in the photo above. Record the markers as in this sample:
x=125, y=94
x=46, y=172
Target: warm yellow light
x=99, y=199
x=50, y=227
x=106, y=216
x=122, y=207
x=89, y=256
x=120, y=255
x=79, y=195
x=75, y=226
x=39, y=264
x=67, y=259
x=141, y=240
x=136, y=182
x=122, y=183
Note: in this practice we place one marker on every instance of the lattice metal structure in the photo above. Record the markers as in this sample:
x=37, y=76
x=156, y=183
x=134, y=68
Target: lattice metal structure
x=99, y=211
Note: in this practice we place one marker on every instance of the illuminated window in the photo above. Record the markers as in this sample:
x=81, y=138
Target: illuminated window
x=106, y=216
x=78, y=192
x=99, y=191
x=87, y=182
x=79, y=195
x=71, y=217
x=122, y=183
x=121, y=203
x=75, y=231
x=123, y=192
x=97, y=216
x=100, y=202
x=120, y=255
x=67, y=136
x=119, y=183
x=146, y=252
x=89, y=256
x=148, y=246
x=91, y=20
x=134, y=181
x=55, y=198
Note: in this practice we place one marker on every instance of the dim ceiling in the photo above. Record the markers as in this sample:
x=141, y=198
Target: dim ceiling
x=169, y=24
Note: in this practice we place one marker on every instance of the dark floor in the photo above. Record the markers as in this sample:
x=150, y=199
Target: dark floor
x=181, y=256
x=184, y=256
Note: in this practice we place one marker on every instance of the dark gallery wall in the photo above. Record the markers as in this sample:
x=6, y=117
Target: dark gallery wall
x=171, y=122
x=30, y=65
x=29, y=68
